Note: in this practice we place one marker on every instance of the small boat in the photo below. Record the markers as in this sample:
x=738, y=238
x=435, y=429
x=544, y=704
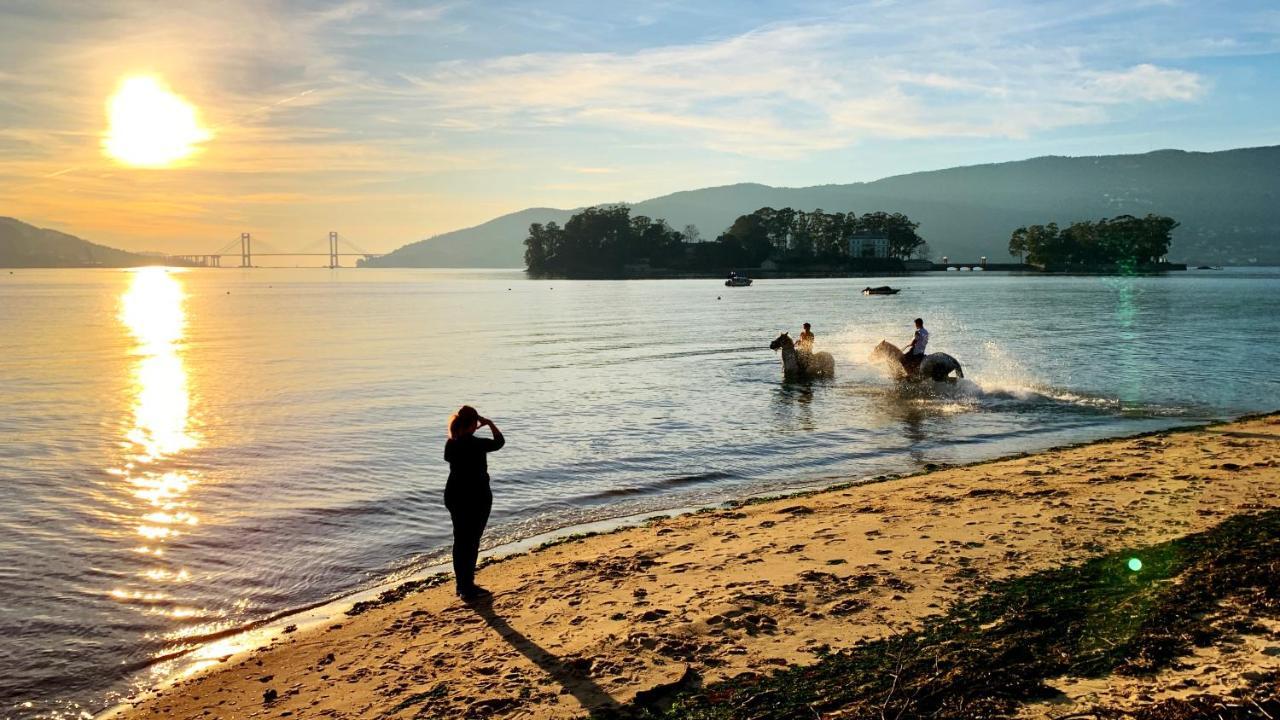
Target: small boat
x=882, y=290
x=736, y=280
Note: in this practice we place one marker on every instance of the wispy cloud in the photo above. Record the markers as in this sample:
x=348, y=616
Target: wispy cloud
x=467, y=108
x=791, y=89
x=1143, y=82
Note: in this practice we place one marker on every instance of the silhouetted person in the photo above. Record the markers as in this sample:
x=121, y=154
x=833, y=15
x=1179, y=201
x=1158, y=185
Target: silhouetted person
x=914, y=353
x=467, y=493
x=805, y=343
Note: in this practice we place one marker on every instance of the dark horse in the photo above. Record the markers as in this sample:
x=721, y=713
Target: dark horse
x=800, y=365
x=937, y=366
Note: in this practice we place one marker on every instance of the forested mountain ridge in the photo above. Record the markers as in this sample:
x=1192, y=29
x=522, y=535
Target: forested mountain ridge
x=25, y=245
x=1228, y=203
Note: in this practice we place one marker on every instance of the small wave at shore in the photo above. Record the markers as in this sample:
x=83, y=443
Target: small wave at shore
x=657, y=486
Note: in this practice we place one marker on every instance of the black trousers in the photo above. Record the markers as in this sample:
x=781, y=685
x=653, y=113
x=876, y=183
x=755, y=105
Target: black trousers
x=470, y=514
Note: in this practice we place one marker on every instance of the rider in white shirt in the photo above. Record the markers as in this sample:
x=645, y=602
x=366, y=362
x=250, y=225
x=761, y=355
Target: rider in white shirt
x=914, y=353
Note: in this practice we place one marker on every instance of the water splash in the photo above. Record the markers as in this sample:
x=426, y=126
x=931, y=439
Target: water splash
x=995, y=376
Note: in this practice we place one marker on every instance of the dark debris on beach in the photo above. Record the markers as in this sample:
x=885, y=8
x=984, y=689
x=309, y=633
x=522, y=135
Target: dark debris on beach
x=989, y=656
x=396, y=593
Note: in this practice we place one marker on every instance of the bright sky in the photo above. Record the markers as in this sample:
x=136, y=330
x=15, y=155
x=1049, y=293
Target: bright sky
x=390, y=120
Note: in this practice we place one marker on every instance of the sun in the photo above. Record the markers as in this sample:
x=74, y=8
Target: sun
x=149, y=126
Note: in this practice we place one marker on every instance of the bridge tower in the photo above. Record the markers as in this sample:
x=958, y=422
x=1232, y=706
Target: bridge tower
x=333, y=250
x=246, y=250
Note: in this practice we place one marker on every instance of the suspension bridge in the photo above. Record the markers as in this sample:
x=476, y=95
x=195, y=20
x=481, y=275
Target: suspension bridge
x=250, y=248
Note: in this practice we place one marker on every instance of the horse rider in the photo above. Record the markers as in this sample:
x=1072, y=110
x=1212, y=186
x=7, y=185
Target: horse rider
x=914, y=354
x=805, y=343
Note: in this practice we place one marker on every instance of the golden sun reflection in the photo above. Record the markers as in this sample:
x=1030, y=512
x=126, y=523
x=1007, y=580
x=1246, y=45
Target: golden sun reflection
x=149, y=126
x=159, y=488
x=152, y=311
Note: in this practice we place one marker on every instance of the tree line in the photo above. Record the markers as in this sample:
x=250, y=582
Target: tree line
x=1115, y=243
x=603, y=241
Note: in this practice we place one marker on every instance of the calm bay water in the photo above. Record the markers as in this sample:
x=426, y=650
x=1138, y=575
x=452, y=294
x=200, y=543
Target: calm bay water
x=186, y=452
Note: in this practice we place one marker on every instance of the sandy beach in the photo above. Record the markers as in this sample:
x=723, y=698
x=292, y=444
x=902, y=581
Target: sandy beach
x=594, y=622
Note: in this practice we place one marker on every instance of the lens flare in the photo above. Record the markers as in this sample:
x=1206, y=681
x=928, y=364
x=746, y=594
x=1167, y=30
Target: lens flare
x=149, y=126
x=1135, y=564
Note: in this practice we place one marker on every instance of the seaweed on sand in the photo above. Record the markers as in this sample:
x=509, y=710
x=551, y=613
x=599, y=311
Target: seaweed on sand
x=397, y=593
x=989, y=655
x=1261, y=700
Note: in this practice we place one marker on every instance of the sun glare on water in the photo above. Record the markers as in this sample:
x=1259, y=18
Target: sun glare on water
x=152, y=310
x=149, y=126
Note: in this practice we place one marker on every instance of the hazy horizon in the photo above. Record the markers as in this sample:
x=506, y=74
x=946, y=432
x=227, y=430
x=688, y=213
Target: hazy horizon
x=155, y=128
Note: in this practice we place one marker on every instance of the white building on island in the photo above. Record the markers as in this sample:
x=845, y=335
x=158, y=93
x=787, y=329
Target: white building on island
x=869, y=246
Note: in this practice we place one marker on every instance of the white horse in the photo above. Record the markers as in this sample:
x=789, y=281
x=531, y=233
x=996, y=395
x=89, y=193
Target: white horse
x=937, y=366
x=800, y=365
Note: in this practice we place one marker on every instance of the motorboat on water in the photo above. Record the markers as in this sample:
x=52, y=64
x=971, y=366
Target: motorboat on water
x=736, y=280
x=882, y=290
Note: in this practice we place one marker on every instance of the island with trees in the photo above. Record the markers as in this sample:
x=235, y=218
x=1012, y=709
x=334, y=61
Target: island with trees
x=607, y=242
x=1122, y=244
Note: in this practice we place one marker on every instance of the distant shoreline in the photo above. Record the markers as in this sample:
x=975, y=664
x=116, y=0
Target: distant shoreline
x=781, y=274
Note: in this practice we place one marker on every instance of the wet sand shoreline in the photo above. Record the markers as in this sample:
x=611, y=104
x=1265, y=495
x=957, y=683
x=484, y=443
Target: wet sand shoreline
x=589, y=623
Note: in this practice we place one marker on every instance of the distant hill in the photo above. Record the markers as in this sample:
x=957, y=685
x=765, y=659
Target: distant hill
x=1228, y=203
x=23, y=245
x=486, y=245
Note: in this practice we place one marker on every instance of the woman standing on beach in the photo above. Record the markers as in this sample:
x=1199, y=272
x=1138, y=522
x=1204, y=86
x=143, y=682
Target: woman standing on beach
x=467, y=493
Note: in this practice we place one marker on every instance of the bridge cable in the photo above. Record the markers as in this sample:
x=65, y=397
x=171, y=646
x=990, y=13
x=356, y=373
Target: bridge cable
x=353, y=246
